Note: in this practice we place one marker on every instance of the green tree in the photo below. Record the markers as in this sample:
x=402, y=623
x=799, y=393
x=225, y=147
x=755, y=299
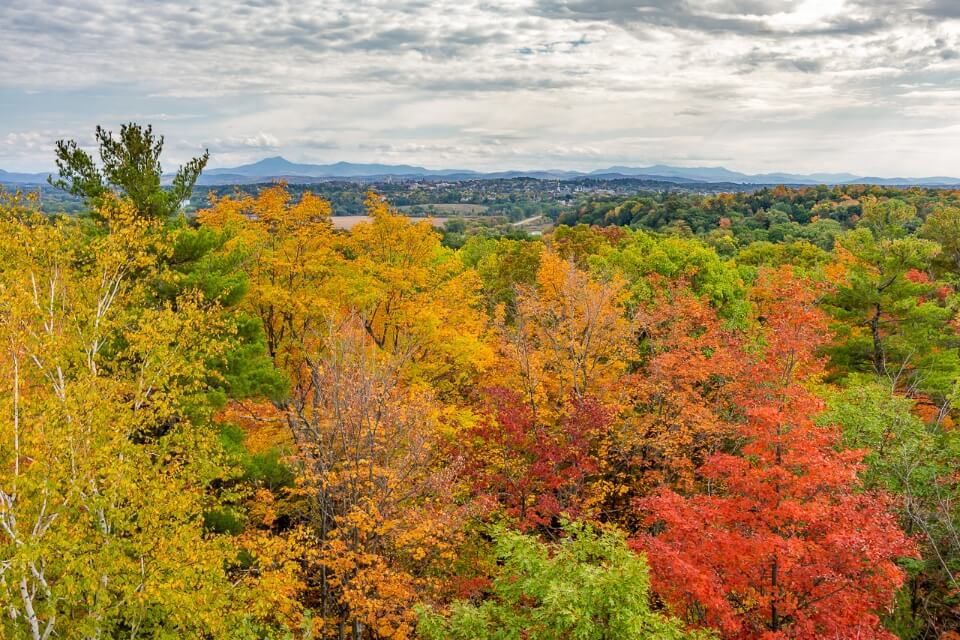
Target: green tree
x=643, y=254
x=799, y=253
x=916, y=462
x=887, y=218
x=943, y=227
x=130, y=167
x=502, y=265
x=893, y=319
x=588, y=586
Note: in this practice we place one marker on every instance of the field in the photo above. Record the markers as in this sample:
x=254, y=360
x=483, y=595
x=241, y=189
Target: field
x=349, y=222
x=454, y=208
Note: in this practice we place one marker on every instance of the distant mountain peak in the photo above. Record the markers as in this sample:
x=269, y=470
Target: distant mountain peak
x=272, y=161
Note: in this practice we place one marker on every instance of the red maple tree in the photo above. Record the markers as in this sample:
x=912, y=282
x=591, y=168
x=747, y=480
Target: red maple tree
x=783, y=544
x=534, y=470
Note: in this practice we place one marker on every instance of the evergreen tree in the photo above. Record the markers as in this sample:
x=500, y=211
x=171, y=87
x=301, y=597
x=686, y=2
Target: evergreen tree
x=130, y=167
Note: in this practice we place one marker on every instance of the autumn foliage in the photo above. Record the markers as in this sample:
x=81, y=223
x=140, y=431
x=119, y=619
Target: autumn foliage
x=783, y=544
x=683, y=395
x=534, y=470
x=254, y=425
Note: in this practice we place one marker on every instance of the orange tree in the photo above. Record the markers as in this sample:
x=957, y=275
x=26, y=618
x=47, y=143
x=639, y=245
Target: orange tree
x=679, y=405
x=783, y=543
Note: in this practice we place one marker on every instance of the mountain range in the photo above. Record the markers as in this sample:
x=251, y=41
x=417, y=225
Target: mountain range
x=276, y=168
x=7, y=177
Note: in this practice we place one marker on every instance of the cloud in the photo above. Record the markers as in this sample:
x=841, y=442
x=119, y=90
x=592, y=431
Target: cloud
x=260, y=142
x=773, y=84
x=942, y=9
x=739, y=17
x=755, y=18
x=760, y=58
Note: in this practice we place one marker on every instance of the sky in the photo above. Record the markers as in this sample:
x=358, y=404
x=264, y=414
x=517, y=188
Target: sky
x=870, y=87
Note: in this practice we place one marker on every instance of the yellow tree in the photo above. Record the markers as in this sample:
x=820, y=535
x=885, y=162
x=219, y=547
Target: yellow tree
x=370, y=326
x=550, y=402
x=414, y=294
x=288, y=251
x=106, y=467
x=570, y=337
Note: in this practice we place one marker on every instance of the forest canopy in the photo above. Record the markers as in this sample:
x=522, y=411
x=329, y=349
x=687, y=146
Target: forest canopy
x=728, y=416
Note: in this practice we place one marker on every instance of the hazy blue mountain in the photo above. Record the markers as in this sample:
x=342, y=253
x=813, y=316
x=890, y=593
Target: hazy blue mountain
x=935, y=181
x=699, y=174
x=278, y=166
x=23, y=178
x=832, y=178
x=545, y=174
x=616, y=175
x=206, y=179
x=722, y=174
x=275, y=168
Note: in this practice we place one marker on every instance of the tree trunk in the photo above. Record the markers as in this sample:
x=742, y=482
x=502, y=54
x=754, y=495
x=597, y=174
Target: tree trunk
x=878, y=360
x=774, y=617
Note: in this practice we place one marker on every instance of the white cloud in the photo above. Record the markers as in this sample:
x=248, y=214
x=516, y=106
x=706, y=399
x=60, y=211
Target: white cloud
x=259, y=141
x=799, y=85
